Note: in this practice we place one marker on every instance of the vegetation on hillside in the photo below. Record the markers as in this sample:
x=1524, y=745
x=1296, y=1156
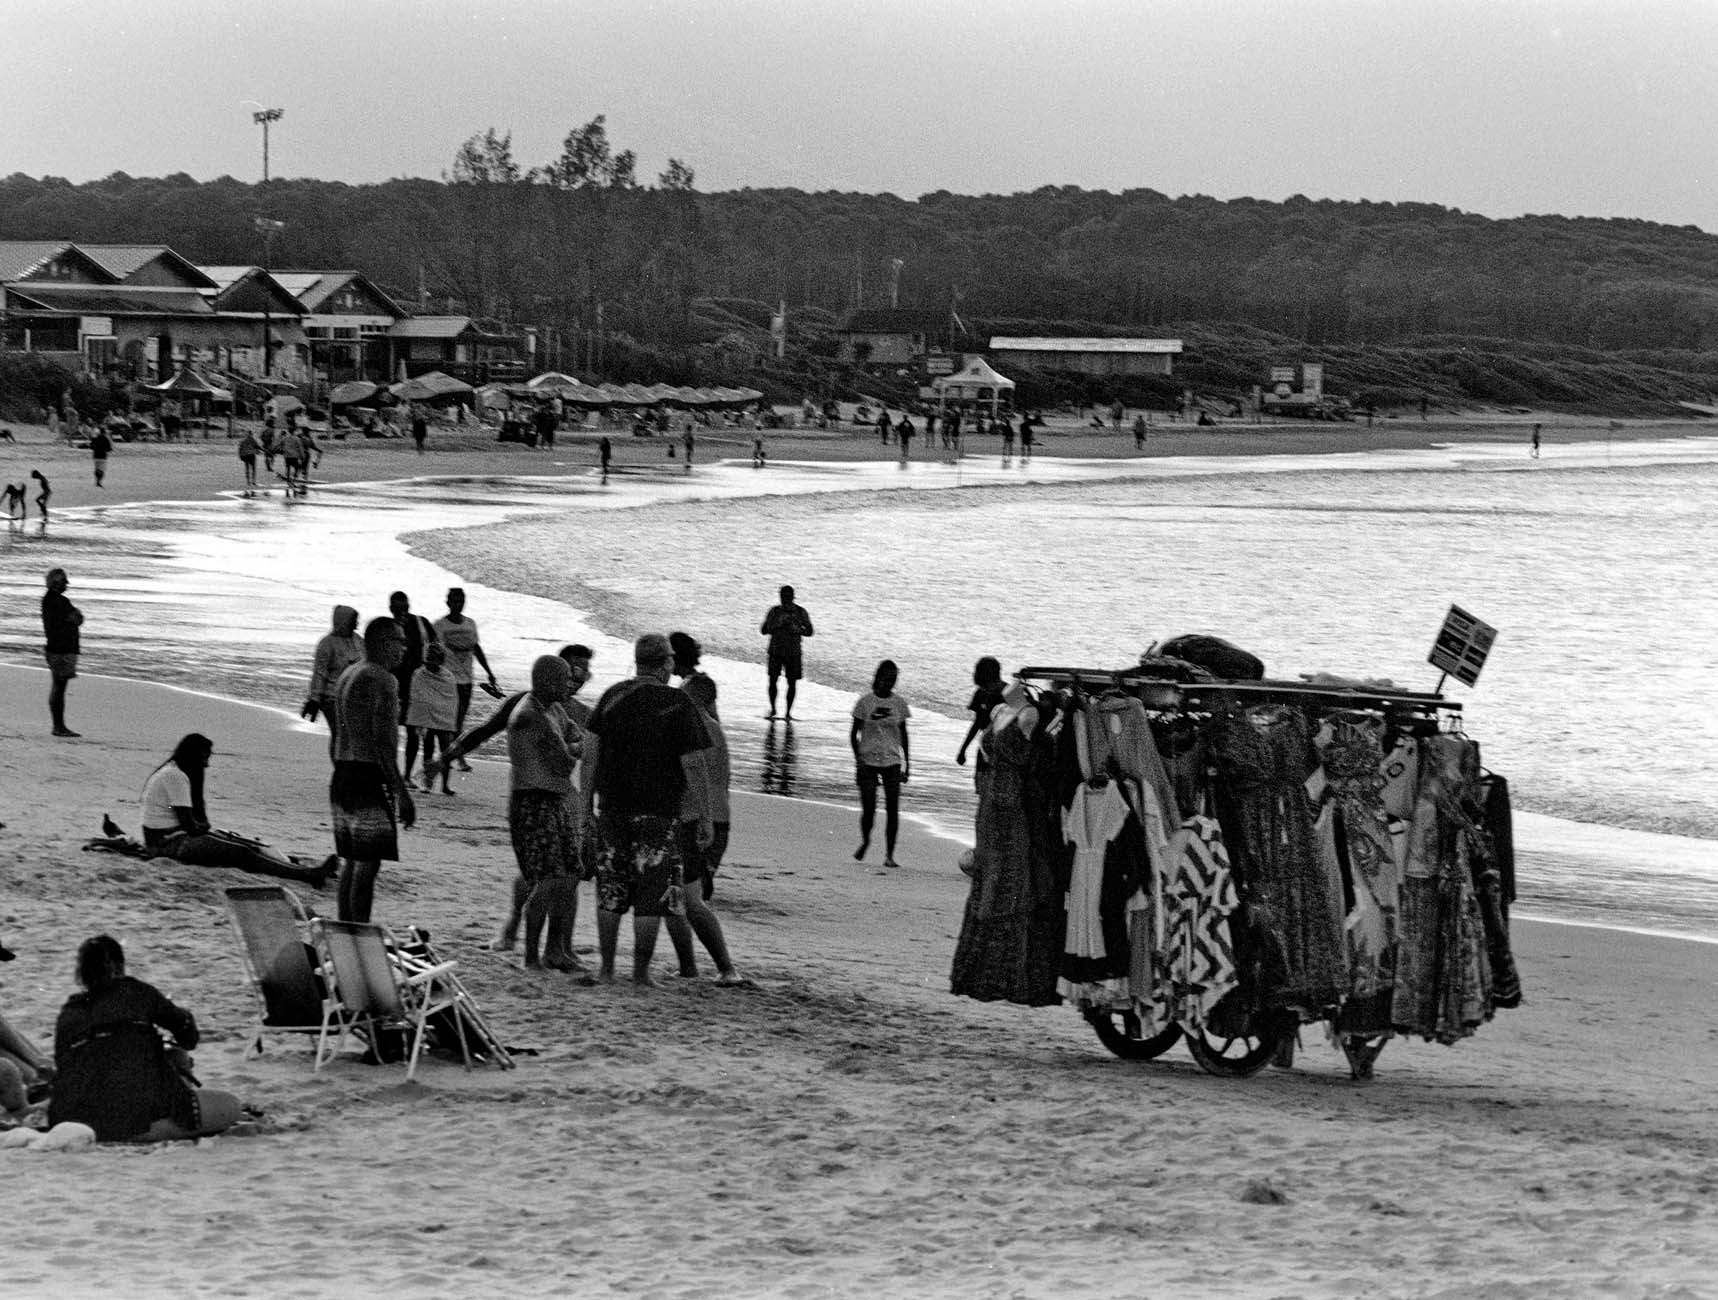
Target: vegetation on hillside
x=633, y=278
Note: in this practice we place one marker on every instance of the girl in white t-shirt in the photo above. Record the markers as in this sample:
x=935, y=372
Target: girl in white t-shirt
x=879, y=739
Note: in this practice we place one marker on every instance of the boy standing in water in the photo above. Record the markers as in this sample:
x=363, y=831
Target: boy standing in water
x=786, y=625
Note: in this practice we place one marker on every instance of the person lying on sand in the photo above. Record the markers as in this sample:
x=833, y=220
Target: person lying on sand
x=115, y=1073
x=176, y=823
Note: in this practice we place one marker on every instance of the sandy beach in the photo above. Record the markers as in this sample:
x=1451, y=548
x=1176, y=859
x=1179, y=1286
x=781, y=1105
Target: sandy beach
x=846, y=1128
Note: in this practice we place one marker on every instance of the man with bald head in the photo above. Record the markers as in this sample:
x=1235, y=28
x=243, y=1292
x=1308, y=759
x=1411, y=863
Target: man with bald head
x=367, y=785
x=646, y=728
x=543, y=747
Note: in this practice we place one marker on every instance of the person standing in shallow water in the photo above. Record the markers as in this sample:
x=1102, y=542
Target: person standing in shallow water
x=786, y=625
x=1536, y=442
x=880, y=753
x=61, y=624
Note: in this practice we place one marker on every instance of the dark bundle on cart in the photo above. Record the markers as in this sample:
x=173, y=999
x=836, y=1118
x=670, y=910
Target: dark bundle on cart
x=1228, y=859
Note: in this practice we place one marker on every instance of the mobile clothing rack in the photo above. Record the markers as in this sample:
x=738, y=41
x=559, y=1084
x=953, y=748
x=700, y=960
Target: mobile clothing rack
x=1334, y=854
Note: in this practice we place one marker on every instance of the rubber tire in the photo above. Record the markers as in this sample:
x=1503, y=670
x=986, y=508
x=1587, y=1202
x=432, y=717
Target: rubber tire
x=1112, y=1030
x=1209, y=1052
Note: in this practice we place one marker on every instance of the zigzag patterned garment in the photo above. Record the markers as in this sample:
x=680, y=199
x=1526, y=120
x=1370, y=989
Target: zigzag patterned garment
x=1195, y=965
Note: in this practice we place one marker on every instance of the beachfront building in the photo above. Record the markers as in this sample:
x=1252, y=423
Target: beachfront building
x=347, y=323
x=142, y=311
x=1103, y=357
x=897, y=339
x=476, y=351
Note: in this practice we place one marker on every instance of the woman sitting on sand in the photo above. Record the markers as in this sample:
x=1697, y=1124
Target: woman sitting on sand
x=115, y=1073
x=175, y=824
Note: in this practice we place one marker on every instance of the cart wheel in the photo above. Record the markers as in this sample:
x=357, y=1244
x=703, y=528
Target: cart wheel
x=1236, y=1058
x=1121, y=1032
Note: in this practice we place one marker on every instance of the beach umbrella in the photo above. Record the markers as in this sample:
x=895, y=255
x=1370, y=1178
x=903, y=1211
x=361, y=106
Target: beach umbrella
x=353, y=393
x=427, y=388
x=186, y=383
x=554, y=379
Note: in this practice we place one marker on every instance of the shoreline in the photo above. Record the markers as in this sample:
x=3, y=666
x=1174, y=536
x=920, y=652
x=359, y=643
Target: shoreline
x=847, y=1128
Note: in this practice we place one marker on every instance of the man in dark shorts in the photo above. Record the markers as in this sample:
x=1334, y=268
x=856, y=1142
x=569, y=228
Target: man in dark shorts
x=60, y=623
x=646, y=728
x=367, y=781
x=786, y=625
x=417, y=632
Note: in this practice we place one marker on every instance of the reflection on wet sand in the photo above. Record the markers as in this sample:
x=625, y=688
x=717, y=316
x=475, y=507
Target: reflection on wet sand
x=780, y=772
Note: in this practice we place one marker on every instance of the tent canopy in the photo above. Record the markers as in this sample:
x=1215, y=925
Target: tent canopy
x=553, y=379
x=353, y=393
x=977, y=382
x=427, y=388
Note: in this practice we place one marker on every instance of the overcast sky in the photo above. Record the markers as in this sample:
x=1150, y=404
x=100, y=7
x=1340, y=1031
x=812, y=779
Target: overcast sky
x=1581, y=107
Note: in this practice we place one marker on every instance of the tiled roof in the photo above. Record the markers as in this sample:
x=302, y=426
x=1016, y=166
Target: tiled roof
x=113, y=300
x=18, y=257
x=431, y=327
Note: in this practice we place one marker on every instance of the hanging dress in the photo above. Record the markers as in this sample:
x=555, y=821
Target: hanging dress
x=1443, y=978
x=1011, y=934
x=1193, y=961
x=1359, y=842
x=1108, y=850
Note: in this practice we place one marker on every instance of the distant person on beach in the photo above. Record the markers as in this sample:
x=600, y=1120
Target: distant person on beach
x=904, y=432
x=786, y=625
x=879, y=740
x=44, y=495
x=986, y=695
x=114, y=1073
x=884, y=428
x=605, y=453
x=706, y=801
x=248, y=449
x=578, y=661
x=690, y=441
x=418, y=632
x=431, y=716
x=457, y=631
x=366, y=783
x=62, y=622
x=1536, y=442
x=15, y=494
x=420, y=427
x=645, y=728
x=100, y=448
x=268, y=437
x=757, y=450
x=176, y=822
x=1139, y=431
x=543, y=747
x=335, y=653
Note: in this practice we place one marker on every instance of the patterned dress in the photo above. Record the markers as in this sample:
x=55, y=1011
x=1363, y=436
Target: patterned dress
x=1193, y=956
x=1359, y=839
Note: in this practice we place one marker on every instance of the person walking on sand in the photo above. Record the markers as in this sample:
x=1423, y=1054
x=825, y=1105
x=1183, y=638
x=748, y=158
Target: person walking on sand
x=707, y=780
x=645, y=728
x=1139, y=431
x=44, y=494
x=883, y=426
x=335, y=653
x=880, y=755
x=605, y=453
x=543, y=747
x=418, y=632
x=366, y=786
x=100, y=448
x=248, y=449
x=62, y=622
x=786, y=625
x=1536, y=442
x=457, y=632
x=435, y=704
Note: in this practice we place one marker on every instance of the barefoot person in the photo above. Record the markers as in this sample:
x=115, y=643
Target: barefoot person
x=176, y=822
x=543, y=748
x=578, y=661
x=707, y=778
x=61, y=621
x=114, y=1073
x=646, y=728
x=786, y=625
x=45, y=495
x=879, y=739
x=366, y=781
x=458, y=633
x=335, y=653
x=432, y=716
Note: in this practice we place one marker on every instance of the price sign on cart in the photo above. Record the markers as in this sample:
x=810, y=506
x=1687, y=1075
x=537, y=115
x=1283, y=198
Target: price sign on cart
x=1462, y=646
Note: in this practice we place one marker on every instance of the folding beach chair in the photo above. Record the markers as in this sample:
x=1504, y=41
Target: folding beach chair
x=370, y=989
x=274, y=941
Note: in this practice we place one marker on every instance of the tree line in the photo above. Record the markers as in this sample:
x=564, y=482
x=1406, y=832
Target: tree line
x=579, y=245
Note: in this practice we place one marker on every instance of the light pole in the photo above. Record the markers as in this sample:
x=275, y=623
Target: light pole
x=262, y=119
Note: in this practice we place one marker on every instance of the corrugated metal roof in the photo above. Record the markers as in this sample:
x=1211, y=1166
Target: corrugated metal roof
x=18, y=257
x=126, y=260
x=1084, y=345
x=431, y=327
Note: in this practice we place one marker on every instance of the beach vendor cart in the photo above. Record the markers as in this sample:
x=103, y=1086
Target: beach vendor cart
x=1226, y=860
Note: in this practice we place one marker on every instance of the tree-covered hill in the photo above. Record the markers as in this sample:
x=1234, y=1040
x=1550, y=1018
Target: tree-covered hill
x=1396, y=298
